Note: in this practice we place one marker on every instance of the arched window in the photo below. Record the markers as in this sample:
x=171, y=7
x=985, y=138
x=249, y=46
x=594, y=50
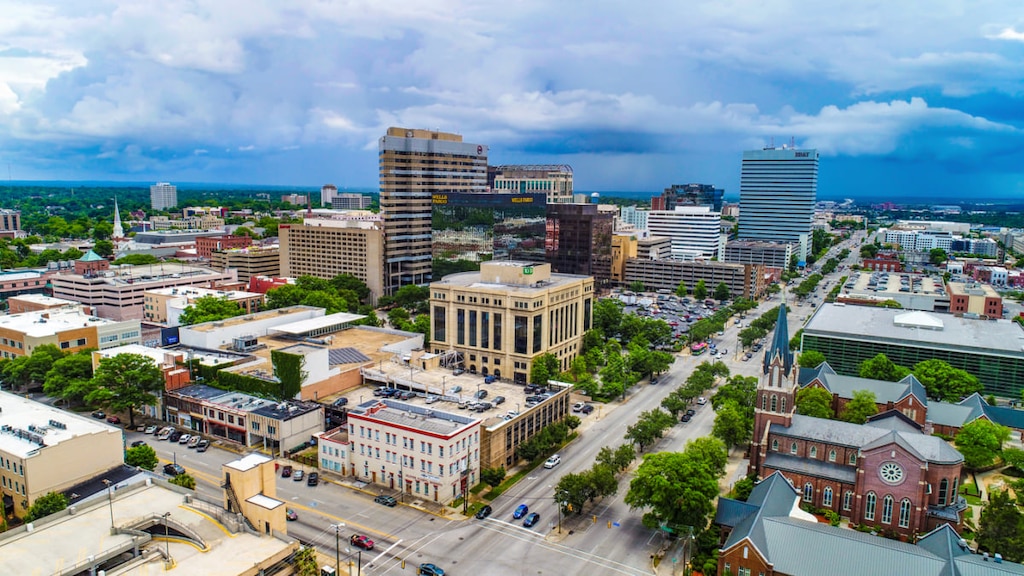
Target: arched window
x=764, y=401
x=905, y=513
x=952, y=495
x=792, y=448
x=847, y=500
x=775, y=403
x=869, y=506
x=775, y=445
x=853, y=459
x=826, y=497
x=814, y=451
x=943, y=489
x=831, y=455
x=887, y=509
x=808, y=492
x=783, y=403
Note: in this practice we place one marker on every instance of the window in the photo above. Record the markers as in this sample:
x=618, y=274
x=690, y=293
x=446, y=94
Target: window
x=764, y=402
x=497, y=330
x=869, y=506
x=783, y=403
x=792, y=448
x=538, y=335
x=521, y=334
x=887, y=509
x=775, y=402
x=814, y=451
x=826, y=497
x=460, y=326
x=439, y=323
x=831, y=455
x=472, y=327
x=905, y=513
x=808, y=492
x=853, y=459
x=943, y=489
x=847, y=500
x=775, y=445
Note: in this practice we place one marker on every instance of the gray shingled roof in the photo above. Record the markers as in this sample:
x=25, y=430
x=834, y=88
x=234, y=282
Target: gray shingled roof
x=931, y=448
x=773, y=496
x=819, y=468
x=894, y=420
x=948, y=414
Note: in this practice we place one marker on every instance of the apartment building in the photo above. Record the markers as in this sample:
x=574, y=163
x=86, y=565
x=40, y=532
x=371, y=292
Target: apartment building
x=43, y=450
x=508, y=313
x=326, y=248
x=554, y=180
x=69, y=328
x=166, y=305
x=414, y=166
x=205, y=246
x=163, y=195
x=248, y=262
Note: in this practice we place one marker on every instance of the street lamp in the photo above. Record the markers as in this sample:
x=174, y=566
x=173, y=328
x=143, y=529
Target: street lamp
x=337, y=546
x=401, y=487
x=167, y=538
x=110, y=500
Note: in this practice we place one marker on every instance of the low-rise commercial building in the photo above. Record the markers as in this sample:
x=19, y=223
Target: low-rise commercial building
x=37, y=303
x=910, y=291
x=166, y=305
x=761, y=252
x=205, y=246
x=974, y=299
x=70, y=329
x=746, y=280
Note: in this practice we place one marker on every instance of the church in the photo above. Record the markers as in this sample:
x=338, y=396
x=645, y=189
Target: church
x=888, y=473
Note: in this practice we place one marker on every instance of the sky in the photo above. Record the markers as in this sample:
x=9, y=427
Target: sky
x=902, y=99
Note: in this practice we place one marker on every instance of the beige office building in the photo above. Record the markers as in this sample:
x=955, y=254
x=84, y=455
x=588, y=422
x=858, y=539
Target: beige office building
x=508, y=313
x=415, y=166
x=166, y=305
x=69, y=328
x=326, y=248
x=250, y=261
x=43, y=449
x=555, y=180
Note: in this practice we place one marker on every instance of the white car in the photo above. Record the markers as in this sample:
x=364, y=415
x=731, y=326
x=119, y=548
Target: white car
x=702, y=400
x=577, y=407
x=553, y=461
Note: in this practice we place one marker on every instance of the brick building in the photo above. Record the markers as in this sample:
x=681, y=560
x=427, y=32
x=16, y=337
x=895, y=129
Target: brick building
x=205, y=246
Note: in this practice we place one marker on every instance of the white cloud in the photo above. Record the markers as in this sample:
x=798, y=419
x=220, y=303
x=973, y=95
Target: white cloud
x=1009, y=34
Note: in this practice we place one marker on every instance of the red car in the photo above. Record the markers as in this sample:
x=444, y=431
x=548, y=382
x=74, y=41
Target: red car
x=114, y=420
x=360, y=541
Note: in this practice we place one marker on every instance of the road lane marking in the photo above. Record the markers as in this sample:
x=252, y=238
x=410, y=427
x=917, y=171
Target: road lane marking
x=572, y=552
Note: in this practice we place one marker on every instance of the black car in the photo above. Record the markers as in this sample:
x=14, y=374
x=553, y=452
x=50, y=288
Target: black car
x=313, y=479
x=175, y=436
x=587, y=409
x=531, y=519
x=685, y=418
x=99, y=415
x=340, y=402
x=499, y=400
x=691, y=412
x=138, y=443
x=174, y=469
x=386, y=500
x=484, y=512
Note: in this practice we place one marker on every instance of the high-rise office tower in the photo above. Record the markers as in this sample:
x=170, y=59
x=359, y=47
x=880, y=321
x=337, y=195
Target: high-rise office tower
x=416, y=166
x=778, y=188
x=163, y=196
x=555, y=180
x=689, y=195
x=695, y=231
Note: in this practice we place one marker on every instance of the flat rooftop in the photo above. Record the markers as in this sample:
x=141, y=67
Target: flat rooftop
x=887, y=325
x=423, y=418
x=158, y=355
x=472, y=280
x=893, y=283
x=973, y=289
x=147, y=273
x=28, y=426
x=256, y=316
x=42, y=299
x=43, y=323
x=197, y=292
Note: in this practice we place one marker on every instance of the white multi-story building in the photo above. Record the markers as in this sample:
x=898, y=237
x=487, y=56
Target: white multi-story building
x=422, y=452
x=920, y=240
x=637, y=217
x=163, y=195
x=695, y=231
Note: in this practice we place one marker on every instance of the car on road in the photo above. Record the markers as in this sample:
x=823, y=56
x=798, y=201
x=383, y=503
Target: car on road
x=291, y=515
x=174, y=469
x=386, y=500
x=174, y=437
x=203, y=446
x=99, y=414
x=555, y=460
x=298, y=475
x=428, y=569
x=360, y=541
x=484, y=512
x=654, y=380
x=184, y=438
x=150, y=430
x=194, y=441
x=702, y=400
x=286, y=472
x=499, y=400
x=165, y=433
x=313, y=479
x=520, y=511
x=114, y=420
x=685, y=418
x=138, y=443
x=531, y=519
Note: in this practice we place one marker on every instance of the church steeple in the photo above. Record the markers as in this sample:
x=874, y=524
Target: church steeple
x=118, y=229
x=779, y=351
x=776, y=391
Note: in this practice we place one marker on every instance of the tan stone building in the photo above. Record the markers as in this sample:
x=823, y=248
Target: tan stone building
x=43, y=449
x=555, y=180
x=502, y=317
x=249, y=262
x=69, y=328
x=166, y=305
x=326, y=248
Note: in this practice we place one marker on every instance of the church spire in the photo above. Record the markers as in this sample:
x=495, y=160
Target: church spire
x=780, y=345
x=118, y=229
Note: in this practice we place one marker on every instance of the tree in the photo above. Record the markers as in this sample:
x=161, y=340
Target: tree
x=678, y=488
x=350, y=282
x=608, y=316
x=700, y=291
x=49, y=503
x=70, y=378
x=306, y=562
x=544, y=368
x=209, y=309
x=602, y=481
x=980, y=442
x=572, y=421
x=730, y=426
x=814, y=401
x=184, y=480
x=411, y=295
x=721, y=291
x=125, y=382
x=636, y=286
x=1000, y=527
x=937, y=256
x=573, y=491
x=1014, y=457
x=881, y=368
x=493, y=476
x=104, y=248
x=650, y=426
x=618, y=459
x=137, y=260
x=681, y=290
x=945, y=382
x=811, y=359
x=860, y=407
x=289, y=369
x=28, y=372
x=142, y=456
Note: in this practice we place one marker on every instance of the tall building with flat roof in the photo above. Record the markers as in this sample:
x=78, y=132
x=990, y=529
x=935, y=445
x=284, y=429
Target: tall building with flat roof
x=326, y=248
x=579, y=240
x=689, y=195
x=478, y=227
x=415, y=165
x=695, y=231
x=163, y=195
x=249, y=262
x=778, y=188
x=554, y=180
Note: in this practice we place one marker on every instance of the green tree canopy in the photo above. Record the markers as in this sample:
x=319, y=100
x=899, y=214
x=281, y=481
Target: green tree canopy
x=649, y=427
x=945, y=382
x=859, y=408
x=493, y=476
x=678, y=488
x=721, y=291
x=137, y=260
x=49, y=503
x=636, y=286
x=142, y=456
x=881, y=368
x=209, y=309
x=700, y=291
x=545, y=367
x=608, y=316
x=1001, y=527
x=125, y=382
x=814, y=401
x=184, y=480
x=731, y=427
x=681, y=290
x=937, y=256
x=980, y=442
x=70, y=377
x=30, y=371
x=811, y=359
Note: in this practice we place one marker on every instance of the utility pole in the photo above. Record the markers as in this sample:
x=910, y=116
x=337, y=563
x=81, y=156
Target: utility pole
x=337, y=546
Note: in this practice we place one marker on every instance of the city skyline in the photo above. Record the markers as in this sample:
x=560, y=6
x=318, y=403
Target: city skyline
x=908, y=99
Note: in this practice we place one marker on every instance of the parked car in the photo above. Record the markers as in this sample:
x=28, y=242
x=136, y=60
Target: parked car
x=484, y=512
x=184, y=438
x=578, y=407
x=531, y=519
x=386, y=500
x=430, y=570
x=313, y=479
x=490, y=379
x=654, y=380
x=691, y=412
x=150, y=430
x=685, y=418
x=455, y=389
x=499, y=400
x=340, y=402
x=360, y=541
x=99, y=414
x=291, y=515
x=298, y=475
x=194, y=441
x=114, y=420
x=286, y=472
x=175, y=436
x=174, y=469
x=481, y=394
x=520, y=511
x=138, y=443
x=432, y=399
x=458, y=371
x=406, y=395
x=203, y=446
x=555, y=460
x=587, y=409
x=702, y=400
x=165, y=433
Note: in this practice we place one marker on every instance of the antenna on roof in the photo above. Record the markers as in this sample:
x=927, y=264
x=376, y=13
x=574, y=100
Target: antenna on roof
x=792, y=142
